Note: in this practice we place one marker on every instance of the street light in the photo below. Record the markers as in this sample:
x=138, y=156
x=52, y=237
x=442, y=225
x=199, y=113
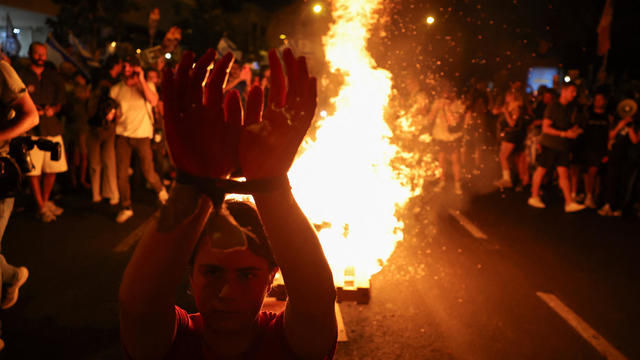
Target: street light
x=567, y=79
x=317, y=8
x=283, y=36
x=431, y=20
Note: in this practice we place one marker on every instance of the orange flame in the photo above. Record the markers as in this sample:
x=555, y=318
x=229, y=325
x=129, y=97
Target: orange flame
x=343, y=181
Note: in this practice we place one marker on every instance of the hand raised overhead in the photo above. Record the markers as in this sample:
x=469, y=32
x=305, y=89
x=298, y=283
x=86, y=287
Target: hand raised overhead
x=270, y=140
x=206, y=132
x=202, y=127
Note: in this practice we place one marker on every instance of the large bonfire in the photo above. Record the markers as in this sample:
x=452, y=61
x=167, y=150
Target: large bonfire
x=343, y=180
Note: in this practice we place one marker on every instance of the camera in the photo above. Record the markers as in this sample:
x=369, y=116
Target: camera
x=18, y=162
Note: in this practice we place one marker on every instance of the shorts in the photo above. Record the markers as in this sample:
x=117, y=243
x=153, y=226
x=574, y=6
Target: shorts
x=42, y=162
x=448, y=147
x=590, y=157
x=551, y=158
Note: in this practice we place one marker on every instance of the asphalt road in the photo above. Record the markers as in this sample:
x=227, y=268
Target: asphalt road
x=443, y=294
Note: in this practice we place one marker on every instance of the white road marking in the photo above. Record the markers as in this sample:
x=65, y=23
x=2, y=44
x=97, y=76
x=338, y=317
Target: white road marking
x=468, y=224
x=342, y=331
x=136, y=234
x=602, y=345
x=473, y=229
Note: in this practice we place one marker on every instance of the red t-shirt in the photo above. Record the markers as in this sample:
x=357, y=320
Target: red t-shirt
x=270, y=344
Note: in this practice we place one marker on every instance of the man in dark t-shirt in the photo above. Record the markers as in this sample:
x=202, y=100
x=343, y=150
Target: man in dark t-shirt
x=559, y=129
x=47, y=90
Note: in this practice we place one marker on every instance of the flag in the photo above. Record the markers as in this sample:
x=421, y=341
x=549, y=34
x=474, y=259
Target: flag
x=604, y=29
x=225, y=45
x=11, y=46
x=57, y=54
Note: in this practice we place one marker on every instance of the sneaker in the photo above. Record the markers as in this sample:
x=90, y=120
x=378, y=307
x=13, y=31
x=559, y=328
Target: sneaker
x=536, y=202
x=163, y=196
x=616, y=213
x=573, y=207
x=53, y=208
x=124, y=215
x=11, y=296
x=96, y=200
x=605, y=210
x=46, y=215
x=588, y=202
x=503, y=183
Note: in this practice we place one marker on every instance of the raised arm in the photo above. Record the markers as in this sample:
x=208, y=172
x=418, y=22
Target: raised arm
x=148, y=90
x=159, y=263
x=267, y=149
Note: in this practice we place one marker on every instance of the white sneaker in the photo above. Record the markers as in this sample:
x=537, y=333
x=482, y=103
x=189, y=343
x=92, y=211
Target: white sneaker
x=503, y=183
x=573, y=207
x=46, y=215
x=163, y=196
x=536, y=202
x=588, y=202
x=124, y=215
x=605, y=210
x=53, y=208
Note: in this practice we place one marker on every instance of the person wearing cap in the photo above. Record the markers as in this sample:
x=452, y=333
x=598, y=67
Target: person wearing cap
x=230, y=251
x=134, y=130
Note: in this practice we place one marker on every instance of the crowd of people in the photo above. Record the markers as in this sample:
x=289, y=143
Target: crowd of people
x=99, y=123
x=585, y=141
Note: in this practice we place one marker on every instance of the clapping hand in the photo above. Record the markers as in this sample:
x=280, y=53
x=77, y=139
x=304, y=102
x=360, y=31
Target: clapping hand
x=206, y=132
x=270, y=141
x=202, y=129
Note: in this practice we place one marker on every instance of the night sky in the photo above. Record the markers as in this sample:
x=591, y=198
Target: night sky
x=472, y=38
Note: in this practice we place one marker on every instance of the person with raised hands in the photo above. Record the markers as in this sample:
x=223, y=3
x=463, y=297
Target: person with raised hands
x=231, y=250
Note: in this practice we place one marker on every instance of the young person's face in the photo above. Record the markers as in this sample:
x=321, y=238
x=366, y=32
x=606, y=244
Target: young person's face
x=229, y=287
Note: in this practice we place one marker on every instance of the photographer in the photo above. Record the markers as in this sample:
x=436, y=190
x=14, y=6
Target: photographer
x=47, y=91
x=18, y=114
x=134, y=130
